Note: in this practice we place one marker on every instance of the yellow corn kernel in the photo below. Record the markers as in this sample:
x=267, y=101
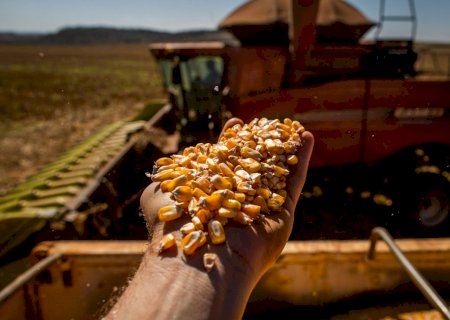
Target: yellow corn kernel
x=245, y=134
x=216, y=231
x=226, y=213
x=193, y=206
x=203, y=239
x=209, y=261
x=167, y=167
x=250, y=165
x=280, y=185
x=203, y=184
x=248, y=152
x=182, y=193
x=242, y=218
x=288, y=122
x=227, y=194
x=275, y=202
x=252, y=210
x=239, y=196
x=222, y=151
x=166, y=242
x=187, y=228
x=264, y=192
x=170, y=185
x=170, y=213
x=189, y=173
x=203, y=214
x=249, y=198
x=225, y=169
x=220, y=182
x=199, y=193
x=246, y=188
x=201, y=158
x=250, y=144
x=192, y=241
x=282, y=193
x=231, y=204
x=197, y=223
x=260, y=201
x=292, y=160
x=244, y=175
x=283, y=126
x=162, y=175
x=188, y=150
x=214, y=201
x=163, y=161
x=279, y=171
x=212, y=165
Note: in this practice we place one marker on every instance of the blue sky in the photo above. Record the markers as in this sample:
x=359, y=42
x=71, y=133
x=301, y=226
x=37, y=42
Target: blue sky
x=175, y=15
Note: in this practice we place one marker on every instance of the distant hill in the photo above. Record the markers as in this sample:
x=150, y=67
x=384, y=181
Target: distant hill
x=102, y=35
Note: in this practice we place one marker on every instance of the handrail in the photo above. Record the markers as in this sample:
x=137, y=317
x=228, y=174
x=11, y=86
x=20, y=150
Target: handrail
x=421, y=283
x=23, y=278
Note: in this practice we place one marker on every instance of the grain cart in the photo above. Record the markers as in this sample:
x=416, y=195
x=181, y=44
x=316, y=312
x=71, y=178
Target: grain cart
x=381, y=158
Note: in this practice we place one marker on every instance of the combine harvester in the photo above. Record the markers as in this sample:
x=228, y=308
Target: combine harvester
x=380, y=170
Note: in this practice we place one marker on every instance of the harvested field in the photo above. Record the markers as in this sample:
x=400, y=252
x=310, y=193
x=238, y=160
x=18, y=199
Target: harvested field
x=52, y=97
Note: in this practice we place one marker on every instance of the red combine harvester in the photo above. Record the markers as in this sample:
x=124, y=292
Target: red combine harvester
x=381, y=158
x=380, y=126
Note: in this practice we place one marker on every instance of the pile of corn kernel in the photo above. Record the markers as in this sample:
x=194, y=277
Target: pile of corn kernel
x=240, y=178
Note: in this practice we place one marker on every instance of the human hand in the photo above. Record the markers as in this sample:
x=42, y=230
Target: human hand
x=249, y=249
x=175, y=286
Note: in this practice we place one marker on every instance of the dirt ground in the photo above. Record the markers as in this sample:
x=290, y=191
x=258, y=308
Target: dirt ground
x=53, y=97
x=30, y=144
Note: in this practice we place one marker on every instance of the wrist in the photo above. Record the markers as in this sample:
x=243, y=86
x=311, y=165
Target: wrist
x=221, y=293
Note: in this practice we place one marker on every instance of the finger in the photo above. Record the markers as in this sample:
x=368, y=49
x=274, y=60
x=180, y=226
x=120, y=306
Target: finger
x=297, y=177
x=229, y=124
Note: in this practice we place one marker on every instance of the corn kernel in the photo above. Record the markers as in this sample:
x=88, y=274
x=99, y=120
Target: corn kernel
x=192, y=241
x=242, y=218
x=260, y=201
x=212, y=165
x=197, y=223
x=170, y=213
x=264, y=192
x=199, y=193
x=163, y=161
x=209, y=261
x=170, y=185
x=231, y=204
x=225, y=169
x=246, y=188
x=216, y=232
x=166, y=242
x=187, y=228
x=226, y=213
x=162, y=175
x=252, y=210
x=202, y=183
x=292, y=160
x=182, y=193
x=214, y=201
x=220, y=182
x=203, y=214
x=239, y=196
x=250, y=165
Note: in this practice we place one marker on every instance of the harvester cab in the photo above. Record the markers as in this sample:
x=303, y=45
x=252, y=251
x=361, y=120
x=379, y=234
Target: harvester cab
x=193, y=78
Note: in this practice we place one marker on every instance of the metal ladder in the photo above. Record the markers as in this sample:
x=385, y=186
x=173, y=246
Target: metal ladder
x=417, y=278
x=407, y=18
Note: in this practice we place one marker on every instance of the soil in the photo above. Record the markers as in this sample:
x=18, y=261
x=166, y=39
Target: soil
x=30, y=144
